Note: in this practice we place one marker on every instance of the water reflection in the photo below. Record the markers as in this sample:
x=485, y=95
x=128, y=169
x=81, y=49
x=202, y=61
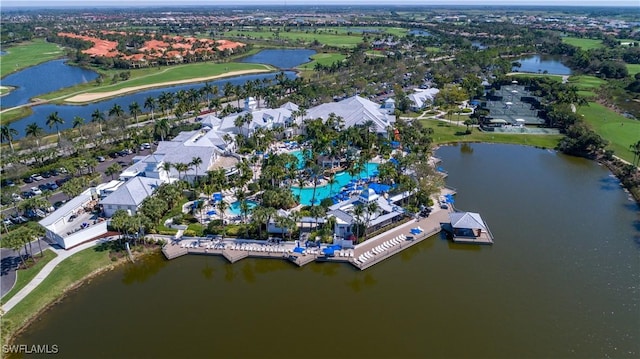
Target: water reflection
x=143, y=269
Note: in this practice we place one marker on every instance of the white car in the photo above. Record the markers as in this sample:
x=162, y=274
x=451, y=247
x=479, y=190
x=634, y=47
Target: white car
x=37, y=177
x=16, y=197
x=36, y=191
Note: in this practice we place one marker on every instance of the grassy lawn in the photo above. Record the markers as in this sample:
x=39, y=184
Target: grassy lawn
x=325, y=59
x=64, y=276
x=378, y=53
x=586, y=84
x=529, y=75
x=306, y=37
x=432, y=49
x=620, y=131
x=444, y=132
x=15, y=114
x=155, y=75
x=27, y=54
x=633, y=69
x=585, y=44
x=26, y=275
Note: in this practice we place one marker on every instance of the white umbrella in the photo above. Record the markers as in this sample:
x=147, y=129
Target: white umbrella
x=514, y=91
x=508, y=103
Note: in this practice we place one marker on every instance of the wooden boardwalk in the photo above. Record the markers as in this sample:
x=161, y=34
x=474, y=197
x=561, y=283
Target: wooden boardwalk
x=376, y=249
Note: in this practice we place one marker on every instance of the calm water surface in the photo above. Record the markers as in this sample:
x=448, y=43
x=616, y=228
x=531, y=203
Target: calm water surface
x=43, y=78
x=539, y=64
x=68, y=112
x=281, y=58
x=561, y=281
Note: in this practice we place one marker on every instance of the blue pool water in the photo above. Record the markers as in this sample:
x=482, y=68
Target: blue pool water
x=326, y=191
x=301, y=160
x=235, y=207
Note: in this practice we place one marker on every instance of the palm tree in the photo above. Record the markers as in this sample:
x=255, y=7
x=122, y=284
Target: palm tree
x=77, y=123
x=97, y=116
x=371, y=209
x=181, y=168
x=150, y=104
x=222, y=209
x=116, y=111
x=134, y=110
x=196, y=162
x=162, y=128
x=8, y=134
x=358, y=211
x=207, y=90
x=55, y=120
x=34, y=130
x=635, y=149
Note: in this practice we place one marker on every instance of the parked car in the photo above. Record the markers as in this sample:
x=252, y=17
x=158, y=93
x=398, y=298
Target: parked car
x=59, y=204
x=55, y=172
x=62, y=170
x=28, y=180
x=18, y=219
x=44, y=187
x=146, y=146
x=100, y=159
x=27, y=194
x=16, y=197
x=52, y=186
x=7, y=183
x=36, y=191
x=37, y=177
x=7, y=222
x=62, y=181
x=46, y=174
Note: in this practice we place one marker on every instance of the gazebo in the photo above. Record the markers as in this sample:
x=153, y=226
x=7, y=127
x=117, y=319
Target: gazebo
x=469, y=227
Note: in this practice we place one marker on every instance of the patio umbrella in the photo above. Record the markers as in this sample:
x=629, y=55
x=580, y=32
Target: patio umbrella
x=508, y=103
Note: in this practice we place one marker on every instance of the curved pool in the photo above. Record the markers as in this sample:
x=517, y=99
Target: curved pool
x=234, y=208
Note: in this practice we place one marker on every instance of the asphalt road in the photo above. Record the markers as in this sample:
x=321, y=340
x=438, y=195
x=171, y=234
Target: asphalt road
x=9, y=262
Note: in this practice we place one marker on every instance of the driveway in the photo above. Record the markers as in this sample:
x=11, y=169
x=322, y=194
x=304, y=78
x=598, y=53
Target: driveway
x=9, y=262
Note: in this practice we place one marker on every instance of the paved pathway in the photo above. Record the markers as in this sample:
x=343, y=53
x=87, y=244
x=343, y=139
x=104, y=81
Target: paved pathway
x=46, y=270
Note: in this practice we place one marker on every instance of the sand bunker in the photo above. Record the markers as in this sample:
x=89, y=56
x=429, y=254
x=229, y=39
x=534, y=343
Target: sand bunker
x=89, y=97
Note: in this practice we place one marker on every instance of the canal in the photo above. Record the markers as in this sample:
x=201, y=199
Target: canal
x=561, y=280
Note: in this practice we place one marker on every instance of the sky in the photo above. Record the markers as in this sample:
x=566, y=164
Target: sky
x=146, y=3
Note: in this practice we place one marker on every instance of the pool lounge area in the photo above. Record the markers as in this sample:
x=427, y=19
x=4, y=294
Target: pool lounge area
x=327, y=191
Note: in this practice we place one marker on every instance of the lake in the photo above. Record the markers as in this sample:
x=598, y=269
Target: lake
x=281, y=58
x=286, y=58
x=538, y=64
x=68, y=112
x=560, y=281
x=41, y=79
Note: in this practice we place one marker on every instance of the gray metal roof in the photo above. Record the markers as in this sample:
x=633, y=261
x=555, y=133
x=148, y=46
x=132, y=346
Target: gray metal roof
x=133, y=192
x=466, y=220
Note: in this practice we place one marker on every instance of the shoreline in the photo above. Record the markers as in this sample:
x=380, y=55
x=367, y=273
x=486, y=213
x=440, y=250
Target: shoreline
x=89, y=97
x=12, y=334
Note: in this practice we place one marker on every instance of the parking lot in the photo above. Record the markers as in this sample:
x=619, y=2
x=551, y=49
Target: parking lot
x=44, y=182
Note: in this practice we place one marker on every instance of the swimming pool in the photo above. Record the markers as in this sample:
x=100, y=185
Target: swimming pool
x=326, y=191
x=234, y=208
x=300, y=156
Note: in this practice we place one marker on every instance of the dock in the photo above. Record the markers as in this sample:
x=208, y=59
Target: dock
x=362, y=256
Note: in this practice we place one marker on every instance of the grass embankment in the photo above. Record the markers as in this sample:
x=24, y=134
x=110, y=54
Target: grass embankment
x=444, y=132
x=27, y=54
x=584, y=44
x=324, y=59
x=620, y=131
x=25, y=276
x=300, y=36
x=155, y=75
x=15, y=114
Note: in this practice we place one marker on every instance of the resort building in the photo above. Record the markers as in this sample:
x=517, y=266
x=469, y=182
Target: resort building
x=130, y=195
x=76, y=221
x=422, y=98
x=254, y=118
x=356, y=111
x=386, y=212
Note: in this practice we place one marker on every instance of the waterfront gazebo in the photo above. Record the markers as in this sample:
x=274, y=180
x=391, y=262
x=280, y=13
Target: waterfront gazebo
x=469, y=227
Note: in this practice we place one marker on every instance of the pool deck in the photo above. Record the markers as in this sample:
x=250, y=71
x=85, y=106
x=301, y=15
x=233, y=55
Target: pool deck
x=376, y=249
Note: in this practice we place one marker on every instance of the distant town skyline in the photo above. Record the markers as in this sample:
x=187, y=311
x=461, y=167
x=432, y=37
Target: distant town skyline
x=173, y=3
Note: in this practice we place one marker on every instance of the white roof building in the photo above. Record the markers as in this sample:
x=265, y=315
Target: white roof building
x=355, y=111
x=130, y=195
x=422, y=97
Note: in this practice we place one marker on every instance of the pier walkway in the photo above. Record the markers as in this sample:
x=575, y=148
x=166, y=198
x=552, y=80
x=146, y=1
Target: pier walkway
x=362, y=256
